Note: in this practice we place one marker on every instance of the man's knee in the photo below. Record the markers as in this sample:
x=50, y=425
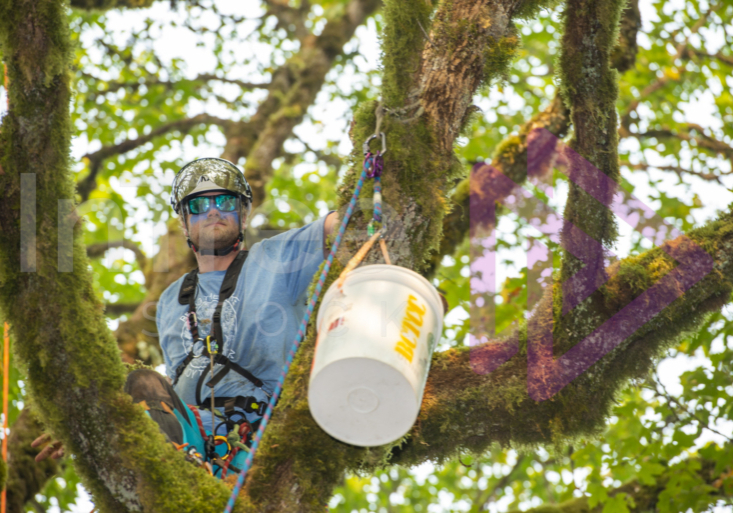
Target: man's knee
x=145, y=385
x=159, y=400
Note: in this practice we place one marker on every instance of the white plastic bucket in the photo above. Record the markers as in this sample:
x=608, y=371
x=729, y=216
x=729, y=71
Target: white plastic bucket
x=375, y=339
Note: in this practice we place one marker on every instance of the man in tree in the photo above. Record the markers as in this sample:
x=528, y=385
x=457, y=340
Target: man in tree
x=224, y=328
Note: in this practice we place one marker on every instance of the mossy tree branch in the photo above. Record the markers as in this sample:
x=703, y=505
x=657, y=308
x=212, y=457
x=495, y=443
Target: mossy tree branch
x=589, y=87
x=510, y=156
x=416, y=175
x=467, y=406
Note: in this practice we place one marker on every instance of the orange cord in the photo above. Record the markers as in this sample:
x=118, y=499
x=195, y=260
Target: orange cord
x=6, y=366
x=5, y=84
x=356, y=259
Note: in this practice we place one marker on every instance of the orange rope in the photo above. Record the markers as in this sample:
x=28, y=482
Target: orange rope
x=6, y=365
x=5, y=83
x=356, y=259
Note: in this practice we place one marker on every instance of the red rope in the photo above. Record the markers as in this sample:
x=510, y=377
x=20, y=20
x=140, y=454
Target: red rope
x=198, y=421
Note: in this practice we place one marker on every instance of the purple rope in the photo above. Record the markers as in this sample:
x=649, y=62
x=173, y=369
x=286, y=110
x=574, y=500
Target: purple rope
x=300, y=335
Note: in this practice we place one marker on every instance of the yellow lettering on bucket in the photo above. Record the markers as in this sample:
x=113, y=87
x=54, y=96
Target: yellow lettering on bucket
x=411, y=323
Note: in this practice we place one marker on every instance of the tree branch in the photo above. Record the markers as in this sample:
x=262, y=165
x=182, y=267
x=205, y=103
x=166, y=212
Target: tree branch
x=113, y=87
x=702, y=140
x=290, y=19
x=713, y=177
x=467, y=405
x=510, y=156
x=493, y=34
x=80, y=398
x=96, y=159
x=119, y=309
x=285, y=454
x=589, y=88
x=294, y=88
x=719, y=56
x=487, y=497
x=98, y=250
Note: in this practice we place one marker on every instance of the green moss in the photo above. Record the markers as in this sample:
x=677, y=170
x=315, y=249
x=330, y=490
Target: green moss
x=402, y=44
x=498, y=57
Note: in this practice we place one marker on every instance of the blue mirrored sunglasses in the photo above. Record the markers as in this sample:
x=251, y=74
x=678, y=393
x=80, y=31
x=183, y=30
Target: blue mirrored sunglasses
x=202, y=204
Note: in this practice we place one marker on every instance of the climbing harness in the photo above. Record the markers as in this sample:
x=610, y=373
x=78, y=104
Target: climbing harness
x=187, y=295
x=372, y=168
x=213, y=345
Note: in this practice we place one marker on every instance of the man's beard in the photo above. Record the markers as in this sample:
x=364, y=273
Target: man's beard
x=216, y=239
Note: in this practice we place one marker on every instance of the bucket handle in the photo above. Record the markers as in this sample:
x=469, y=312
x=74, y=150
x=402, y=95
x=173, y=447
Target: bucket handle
x=356, y=259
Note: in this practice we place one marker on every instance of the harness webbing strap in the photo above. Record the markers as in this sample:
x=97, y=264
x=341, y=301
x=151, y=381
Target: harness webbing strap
x=228, y=365
x=232, y=365
x=249, y=404
x=187, y=295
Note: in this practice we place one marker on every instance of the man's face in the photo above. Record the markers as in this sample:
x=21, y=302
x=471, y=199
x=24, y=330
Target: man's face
x=214, y=229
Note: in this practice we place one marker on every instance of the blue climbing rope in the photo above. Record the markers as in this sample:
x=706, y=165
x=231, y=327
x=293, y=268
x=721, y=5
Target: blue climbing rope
x=371, y=162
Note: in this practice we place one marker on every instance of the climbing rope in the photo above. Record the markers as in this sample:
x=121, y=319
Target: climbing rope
x=372, y=168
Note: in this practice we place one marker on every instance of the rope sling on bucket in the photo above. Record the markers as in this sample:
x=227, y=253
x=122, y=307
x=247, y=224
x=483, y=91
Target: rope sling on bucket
x=372, y=168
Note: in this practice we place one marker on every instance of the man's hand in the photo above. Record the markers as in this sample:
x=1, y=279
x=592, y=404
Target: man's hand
x=331, y=225
x=332, y=220
x=54, y=450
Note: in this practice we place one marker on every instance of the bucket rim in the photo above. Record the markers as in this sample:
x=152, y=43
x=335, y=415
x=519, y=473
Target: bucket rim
x=390, y=268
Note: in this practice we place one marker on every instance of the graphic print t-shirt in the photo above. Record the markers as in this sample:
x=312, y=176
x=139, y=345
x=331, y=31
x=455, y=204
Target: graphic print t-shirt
x=258, y=322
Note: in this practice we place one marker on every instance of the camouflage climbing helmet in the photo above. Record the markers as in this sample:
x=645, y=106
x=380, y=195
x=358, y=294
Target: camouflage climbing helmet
x=207, y=175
